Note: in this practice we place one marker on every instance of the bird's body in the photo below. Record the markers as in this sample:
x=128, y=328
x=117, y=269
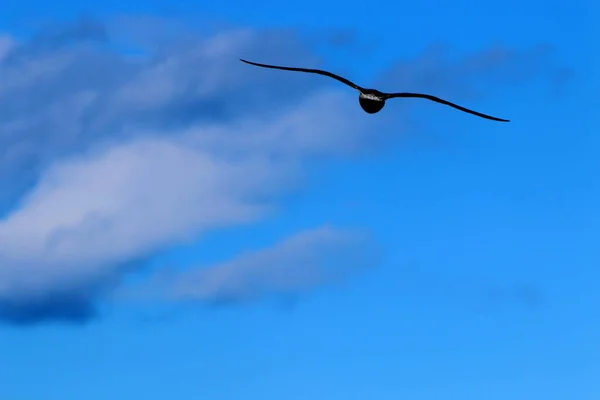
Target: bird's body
x=372, y=100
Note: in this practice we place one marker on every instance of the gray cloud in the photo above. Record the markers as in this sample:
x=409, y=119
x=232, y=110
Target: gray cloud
x=119, y=141
x=473, y=292
x=524, y=295
x=63, y=306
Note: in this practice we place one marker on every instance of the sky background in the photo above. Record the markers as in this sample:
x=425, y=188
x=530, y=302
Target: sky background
x=177, y=224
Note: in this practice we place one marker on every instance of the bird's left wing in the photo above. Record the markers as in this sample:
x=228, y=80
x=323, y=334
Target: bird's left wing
x=442, y=101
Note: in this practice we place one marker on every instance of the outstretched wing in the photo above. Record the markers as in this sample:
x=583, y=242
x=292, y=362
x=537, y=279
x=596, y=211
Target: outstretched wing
x=312, y=71
x=438, y=100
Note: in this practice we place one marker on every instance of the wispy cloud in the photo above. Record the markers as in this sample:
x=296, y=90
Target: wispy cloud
x=300, y=263
x=466, y=79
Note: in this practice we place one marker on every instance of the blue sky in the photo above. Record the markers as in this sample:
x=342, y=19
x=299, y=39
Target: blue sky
x=177, y=224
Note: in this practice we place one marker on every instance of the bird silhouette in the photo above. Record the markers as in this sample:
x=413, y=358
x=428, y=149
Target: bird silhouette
x=372, y=100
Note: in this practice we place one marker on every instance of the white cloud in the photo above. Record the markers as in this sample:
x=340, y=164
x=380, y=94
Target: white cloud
x=90, y=214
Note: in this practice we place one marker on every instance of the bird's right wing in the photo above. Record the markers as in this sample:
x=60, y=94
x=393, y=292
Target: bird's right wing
x=312, y=71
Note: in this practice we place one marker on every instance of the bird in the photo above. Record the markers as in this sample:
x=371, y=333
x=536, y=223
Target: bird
x=372, y=100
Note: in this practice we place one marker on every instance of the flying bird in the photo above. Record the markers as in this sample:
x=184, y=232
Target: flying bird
x=372, y=100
